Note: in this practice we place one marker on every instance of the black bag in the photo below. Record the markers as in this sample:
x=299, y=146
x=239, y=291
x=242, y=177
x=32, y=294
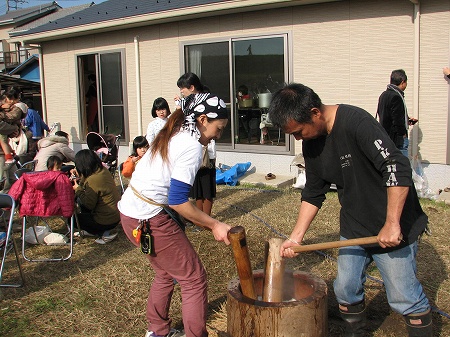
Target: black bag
x=176, y=217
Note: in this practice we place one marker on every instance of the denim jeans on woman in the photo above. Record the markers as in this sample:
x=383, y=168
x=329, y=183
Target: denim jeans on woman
x=398, y=270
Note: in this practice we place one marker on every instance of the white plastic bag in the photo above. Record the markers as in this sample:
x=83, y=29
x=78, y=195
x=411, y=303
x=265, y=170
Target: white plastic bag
x=41, y=233
x=54, y=239
x=301, y=180
x=420, y=180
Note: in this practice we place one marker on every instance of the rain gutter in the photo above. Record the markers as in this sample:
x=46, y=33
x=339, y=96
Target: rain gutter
x=138, y=84
x=416, y=73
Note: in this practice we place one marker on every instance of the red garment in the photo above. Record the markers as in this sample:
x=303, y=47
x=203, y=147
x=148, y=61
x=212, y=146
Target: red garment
x=92, y=110
x=44, y=193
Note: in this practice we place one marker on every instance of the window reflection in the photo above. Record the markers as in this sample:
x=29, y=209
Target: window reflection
x=258, y=70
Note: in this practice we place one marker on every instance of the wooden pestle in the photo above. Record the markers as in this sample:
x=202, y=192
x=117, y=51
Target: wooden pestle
x=238, y=241
x=273, y=272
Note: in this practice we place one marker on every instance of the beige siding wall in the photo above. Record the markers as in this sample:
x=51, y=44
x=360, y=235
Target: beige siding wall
x=60, y=86
x=434, y=98
x=344, y=50
x=4, y=32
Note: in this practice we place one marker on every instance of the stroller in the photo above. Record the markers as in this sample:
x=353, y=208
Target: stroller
x=107, y=148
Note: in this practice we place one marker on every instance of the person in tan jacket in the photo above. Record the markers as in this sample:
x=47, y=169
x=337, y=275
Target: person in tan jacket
x=57, y=145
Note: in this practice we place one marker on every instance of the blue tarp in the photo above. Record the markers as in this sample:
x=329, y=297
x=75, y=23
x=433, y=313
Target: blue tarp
x=229, y=175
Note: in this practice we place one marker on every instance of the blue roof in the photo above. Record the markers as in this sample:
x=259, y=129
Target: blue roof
x=33, y=58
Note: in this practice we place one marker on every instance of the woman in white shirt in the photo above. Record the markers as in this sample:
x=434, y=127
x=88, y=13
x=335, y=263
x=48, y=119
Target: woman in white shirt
x=160, y=111
x=164, y=176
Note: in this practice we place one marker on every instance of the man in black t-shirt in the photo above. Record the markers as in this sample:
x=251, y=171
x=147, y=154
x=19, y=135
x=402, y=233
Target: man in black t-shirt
x=344, y=145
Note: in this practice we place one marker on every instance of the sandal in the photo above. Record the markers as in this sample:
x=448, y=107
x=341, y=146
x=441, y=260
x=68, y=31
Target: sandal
x=270, y=176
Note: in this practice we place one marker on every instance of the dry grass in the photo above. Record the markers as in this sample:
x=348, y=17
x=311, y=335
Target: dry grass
x=102, y=290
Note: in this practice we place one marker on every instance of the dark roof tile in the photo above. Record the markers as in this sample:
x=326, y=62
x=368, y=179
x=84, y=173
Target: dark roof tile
x=117, y=9
x=16, y=16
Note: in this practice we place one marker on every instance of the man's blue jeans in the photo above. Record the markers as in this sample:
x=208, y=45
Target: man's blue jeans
x=398, y=270
x=404, y=148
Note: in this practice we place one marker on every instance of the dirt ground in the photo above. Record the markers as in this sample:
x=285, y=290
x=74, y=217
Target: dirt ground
x=102, y=290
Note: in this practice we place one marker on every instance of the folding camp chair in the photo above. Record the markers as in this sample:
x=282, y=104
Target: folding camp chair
x=30, y=165
x=47, y=223
x=36, y=193
x=25, y=168
x=18, y=173
x=119, y=172
x=8, y=204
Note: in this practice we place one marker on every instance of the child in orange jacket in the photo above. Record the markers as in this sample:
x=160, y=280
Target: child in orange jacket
x=140, y=147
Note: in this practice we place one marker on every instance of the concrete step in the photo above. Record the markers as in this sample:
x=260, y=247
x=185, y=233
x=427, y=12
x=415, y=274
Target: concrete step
x=445, y=197
x=259, y=179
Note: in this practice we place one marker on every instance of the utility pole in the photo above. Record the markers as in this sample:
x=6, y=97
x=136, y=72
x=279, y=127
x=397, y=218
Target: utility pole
x=14, y=4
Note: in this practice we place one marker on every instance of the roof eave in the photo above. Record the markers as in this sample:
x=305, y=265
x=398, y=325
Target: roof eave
x=31, y=59
x=29, y=16
x=221, y=8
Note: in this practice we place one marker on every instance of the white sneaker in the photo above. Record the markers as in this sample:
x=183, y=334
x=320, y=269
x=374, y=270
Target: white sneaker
x=176, y=333
x=82, y=233
x=172, y=333
x=106, y=237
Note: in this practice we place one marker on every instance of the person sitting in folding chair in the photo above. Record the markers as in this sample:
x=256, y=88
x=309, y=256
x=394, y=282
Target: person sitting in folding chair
x=97, y=195
x=55, y=145
x=42, y=195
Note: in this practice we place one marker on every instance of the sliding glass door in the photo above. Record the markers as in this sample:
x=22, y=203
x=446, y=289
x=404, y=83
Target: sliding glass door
x=245, y=72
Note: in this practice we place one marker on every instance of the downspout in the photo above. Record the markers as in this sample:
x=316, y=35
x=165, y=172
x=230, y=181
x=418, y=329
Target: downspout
x=415, y=131
x=43, y=95
x=138, y=85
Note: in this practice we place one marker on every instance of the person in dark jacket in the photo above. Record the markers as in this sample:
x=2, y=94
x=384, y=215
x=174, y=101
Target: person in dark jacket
x=97, y=195
x=345, y=145
x=392, y=111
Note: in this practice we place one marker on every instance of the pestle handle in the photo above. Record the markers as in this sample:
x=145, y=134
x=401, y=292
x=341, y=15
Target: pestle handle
x=336, y=244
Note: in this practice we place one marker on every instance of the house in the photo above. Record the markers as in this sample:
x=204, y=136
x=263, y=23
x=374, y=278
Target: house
x=344, y=50
x=28, y=69
x=11, y=54
x=19, y=65
x=29, y=83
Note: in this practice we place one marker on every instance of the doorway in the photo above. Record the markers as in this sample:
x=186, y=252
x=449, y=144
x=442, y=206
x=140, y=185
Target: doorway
x=101, y=94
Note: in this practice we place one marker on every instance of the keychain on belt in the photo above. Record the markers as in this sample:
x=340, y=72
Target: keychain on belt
x=137, y=233
x=142, y=235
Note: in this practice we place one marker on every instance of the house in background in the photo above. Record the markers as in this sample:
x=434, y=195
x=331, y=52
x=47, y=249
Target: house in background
x=344, y=50
x=18, y=63
x=28, y=69
x=28, y=88
x=11, y=54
